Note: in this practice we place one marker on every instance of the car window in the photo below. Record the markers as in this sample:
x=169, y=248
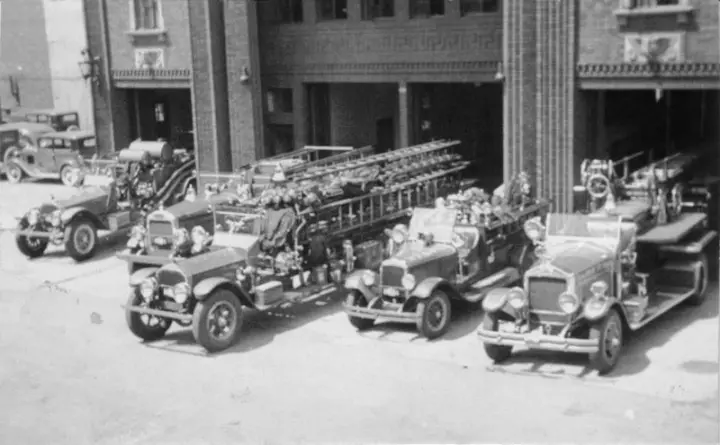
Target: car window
x=71, y=118
x=45, y=143
x=89, y=143
x=41, y=118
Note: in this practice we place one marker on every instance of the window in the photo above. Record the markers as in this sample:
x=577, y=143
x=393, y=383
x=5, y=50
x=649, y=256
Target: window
x=146, y=14
x=332, y=9
x=377, y=8
x=280, y=138
x=655, y=3
x=279, y=100
x=159, y=112
x=478, y=6
x=427, y=8
x=290, y=11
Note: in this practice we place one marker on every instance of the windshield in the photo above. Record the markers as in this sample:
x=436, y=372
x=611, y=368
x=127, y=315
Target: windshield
x=577, y=225
x=438, y=222
x=69, y=118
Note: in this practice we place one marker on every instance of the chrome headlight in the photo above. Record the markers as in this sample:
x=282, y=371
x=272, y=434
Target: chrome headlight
x=599, y=288
x=199, y=236
x=568, y=302
x=369, y=278
x=33, y=217
x=148, y=288
x=399, y=233
x=55, y=218
x=408, y=281
x=517, y=298
x=180, y=237
x=181, y=291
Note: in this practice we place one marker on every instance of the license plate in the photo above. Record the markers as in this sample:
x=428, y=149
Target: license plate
x=390, y=292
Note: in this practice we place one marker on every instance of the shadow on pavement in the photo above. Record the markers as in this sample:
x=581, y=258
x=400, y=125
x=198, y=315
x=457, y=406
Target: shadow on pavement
x=259, y=328
x=638, y=344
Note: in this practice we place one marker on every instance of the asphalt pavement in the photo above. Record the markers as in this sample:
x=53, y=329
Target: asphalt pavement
x=71, y=373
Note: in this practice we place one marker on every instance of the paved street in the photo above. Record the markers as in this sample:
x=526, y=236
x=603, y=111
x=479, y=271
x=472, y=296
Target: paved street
x=71, y=373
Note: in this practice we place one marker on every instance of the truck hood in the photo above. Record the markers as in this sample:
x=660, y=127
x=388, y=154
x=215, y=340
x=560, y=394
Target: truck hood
x=414, y=253
x=202, y=264
x=87, y=197
x=575, y=257
x=186, y=209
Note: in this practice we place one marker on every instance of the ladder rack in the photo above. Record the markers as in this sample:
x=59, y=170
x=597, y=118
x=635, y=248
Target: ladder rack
x=669, y=167
x=408, y=154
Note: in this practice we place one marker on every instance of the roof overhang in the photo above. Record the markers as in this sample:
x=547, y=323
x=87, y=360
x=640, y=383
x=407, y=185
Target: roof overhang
x=161, y=78
x=632, y=76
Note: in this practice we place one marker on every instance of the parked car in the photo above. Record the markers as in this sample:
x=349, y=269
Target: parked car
x=60, y=120
x=115, y=196
x=19, y=134
x=51, y=155
x=607, y=273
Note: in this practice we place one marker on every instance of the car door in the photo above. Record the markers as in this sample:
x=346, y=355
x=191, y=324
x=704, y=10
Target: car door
x=62, y=153
x=40, y=155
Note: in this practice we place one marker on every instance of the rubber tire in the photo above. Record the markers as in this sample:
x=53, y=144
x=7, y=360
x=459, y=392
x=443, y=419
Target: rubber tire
x=22, y=244
x=599, y=360
x=355, y=298
x=63, y=171
x=137, y=326
x=423, y=311
x=698, y=298
x=496, y=353
x=17, y=177
x=70, y=245
x=200, y=315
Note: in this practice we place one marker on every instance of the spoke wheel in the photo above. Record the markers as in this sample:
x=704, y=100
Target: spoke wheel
x=66, y=176
x=608, y=332
x=434, y=315
x=31, y=247
x=82, y=240
x=598, y=186
x=145, y=327
x=14, y=174
x=217, y=320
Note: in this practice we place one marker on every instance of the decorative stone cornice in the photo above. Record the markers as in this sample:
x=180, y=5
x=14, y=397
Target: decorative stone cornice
x=483, y=67
x=634, y=70
x=159, y=74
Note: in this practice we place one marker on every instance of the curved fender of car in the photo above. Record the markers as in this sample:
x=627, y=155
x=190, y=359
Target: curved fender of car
x=354, y=281
x=495, y=299
x=428, y=286
x=595, y=309
x=204, y=288
x=72, y=213
x=141, y=275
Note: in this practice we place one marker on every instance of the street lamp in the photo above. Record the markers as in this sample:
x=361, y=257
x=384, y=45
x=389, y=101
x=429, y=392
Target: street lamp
x=89, y=66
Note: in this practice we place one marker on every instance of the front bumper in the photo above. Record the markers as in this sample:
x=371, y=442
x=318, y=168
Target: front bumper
x=375, y=311
x=160, y=313
x=533, y=340
x=55, y=235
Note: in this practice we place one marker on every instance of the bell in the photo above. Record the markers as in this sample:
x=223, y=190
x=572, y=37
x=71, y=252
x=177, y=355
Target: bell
x=279, y=175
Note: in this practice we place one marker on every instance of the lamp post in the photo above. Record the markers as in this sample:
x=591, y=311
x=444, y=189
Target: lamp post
x=89, y=67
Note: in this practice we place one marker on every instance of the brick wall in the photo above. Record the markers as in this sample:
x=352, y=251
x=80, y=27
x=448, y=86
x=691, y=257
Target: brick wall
x=601, y=35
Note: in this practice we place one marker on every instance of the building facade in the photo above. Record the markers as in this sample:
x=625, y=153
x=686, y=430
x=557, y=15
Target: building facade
x=143, y=70
x=40, y=47
x=525, y=85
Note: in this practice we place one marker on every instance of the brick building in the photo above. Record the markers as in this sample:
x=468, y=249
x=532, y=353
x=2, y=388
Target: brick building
x=534, y=85
x=40, y=51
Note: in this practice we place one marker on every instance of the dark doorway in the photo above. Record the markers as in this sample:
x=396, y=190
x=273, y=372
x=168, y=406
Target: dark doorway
x=385, y=134
x=161, y=114
x=470, y=113
x=319, y=119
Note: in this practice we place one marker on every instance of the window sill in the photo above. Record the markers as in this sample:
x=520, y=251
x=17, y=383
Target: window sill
x=380, y=19
x=159, y=34
x=682, y=12
x=478, y=13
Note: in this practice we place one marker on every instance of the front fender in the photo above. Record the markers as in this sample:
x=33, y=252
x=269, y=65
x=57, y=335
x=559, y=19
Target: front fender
x=141, y=275
x=428, y=286
x=354, y=281
x=203, y=289
x=68, y=215
x=495, y=299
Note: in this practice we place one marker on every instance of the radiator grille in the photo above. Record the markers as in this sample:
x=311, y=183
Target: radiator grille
x=391, y=276
x=160, y=228
x=543, y=296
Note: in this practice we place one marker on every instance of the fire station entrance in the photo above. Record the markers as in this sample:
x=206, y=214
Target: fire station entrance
x=162, y=113
x=659, y=123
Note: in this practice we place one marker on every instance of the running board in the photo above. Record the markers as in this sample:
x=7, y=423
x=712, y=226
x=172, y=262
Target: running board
x=672, y=299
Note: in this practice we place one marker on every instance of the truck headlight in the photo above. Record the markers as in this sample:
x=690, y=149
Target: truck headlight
x=33, y=217
x=534, y=229
x=369, y=279
x=595, y=308
x=599, y=288
x=568, y=302
x=148, y=288
x=517, y=298
x=399, y=233
x=181, y=292
x=55, y=219
x=408, y=281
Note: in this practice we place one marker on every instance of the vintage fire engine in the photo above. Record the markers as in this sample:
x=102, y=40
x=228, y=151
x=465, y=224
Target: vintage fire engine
x=606, y=273
x=293, y=243
x=467, y=245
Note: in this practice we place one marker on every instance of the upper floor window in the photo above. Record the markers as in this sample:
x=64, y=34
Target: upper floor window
x=279, y=100
x=332, y=9
x=478, y=6
x=427, y=8
x=290, y=11
x=655, y=3
x=146, y=14
x=377, y=8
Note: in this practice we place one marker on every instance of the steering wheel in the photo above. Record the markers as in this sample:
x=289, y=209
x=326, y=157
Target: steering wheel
x=598, y=185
